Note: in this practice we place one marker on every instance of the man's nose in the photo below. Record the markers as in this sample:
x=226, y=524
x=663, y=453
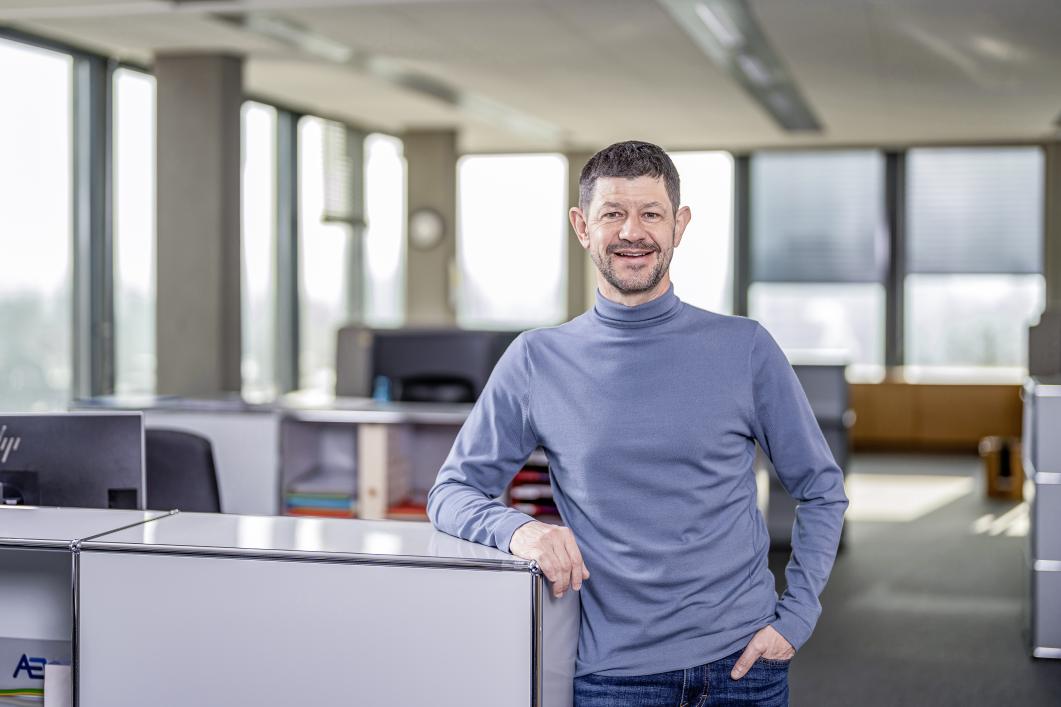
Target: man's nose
x=631, y=229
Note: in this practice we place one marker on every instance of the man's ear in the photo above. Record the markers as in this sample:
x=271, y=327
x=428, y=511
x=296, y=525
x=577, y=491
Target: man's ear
x=578, y=222
x=681, y=220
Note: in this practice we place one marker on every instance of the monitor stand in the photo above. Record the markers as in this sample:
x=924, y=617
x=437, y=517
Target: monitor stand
x=19, y=488
x=122, y=498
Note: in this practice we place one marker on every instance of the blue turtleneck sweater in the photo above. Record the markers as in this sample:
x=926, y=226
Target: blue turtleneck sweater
x=649, y=417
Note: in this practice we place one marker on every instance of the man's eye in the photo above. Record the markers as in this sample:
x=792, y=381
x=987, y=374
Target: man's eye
x=651, y=215
x=611, y=214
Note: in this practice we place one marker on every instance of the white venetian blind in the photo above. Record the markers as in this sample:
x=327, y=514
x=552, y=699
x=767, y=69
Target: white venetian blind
x=975, y=210
x=818, y=216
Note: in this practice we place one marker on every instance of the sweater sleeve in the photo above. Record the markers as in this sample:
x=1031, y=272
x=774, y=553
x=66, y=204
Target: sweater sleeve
x=491, y=447
x=788, y=432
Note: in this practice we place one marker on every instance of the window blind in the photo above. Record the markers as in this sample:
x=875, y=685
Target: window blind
x=975, y=210
x=818, y=217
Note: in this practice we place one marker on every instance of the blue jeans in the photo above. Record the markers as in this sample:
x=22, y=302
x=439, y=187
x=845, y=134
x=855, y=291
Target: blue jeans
x=765, y=685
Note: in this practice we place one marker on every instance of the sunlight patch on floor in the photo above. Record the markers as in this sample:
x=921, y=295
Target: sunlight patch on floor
x=1013, y=523
x=901, y=498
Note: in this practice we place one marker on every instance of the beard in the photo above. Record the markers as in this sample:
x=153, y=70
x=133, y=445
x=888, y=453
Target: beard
x=637, y=282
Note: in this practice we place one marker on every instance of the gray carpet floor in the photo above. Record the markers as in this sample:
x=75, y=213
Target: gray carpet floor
x=929, y=611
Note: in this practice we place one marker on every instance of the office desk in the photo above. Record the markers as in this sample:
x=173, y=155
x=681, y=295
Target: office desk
x=227, y=610
x=37, y=574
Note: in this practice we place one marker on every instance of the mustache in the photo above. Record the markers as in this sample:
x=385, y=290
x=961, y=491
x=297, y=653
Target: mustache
x=642, y=245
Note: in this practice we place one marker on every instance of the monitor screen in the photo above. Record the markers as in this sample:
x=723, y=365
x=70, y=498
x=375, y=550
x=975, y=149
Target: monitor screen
x=74, y=459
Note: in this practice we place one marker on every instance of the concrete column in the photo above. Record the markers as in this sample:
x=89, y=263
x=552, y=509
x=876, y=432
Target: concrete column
x=431, y=156
x=198, y=138
x=1052, y=226
x=581, y=280
x=1044, y=339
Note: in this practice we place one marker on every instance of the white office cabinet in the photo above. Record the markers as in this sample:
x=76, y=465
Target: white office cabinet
x=243, y=610
x=1042, y=459
x=1046, y=529
x=37, y=585
x=1046, y=626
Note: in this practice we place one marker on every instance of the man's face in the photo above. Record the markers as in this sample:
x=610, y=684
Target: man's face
x=630, y=232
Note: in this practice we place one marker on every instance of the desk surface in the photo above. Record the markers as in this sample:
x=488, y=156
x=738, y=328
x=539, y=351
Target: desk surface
x=360, y=411
x=30, y=526
x=322, y=539
x=303, y=405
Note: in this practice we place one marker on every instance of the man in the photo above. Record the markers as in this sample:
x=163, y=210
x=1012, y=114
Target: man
x=649, y=410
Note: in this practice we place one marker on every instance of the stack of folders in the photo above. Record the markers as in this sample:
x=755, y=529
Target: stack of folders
x=412, y=507
x=531, y=494
x=323, y=491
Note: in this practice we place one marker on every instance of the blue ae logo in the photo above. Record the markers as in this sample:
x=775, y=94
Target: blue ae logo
x=34, y=667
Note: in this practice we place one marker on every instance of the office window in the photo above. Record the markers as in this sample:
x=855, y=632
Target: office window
x=971, y=327
x=974, y=261
x=36, y=178
x=384, y=239
x=512, y=226
x=134, y=231
x=324, y=252
x=259, y=214
x=702, y=268
x=825, y=323
x=819, y=255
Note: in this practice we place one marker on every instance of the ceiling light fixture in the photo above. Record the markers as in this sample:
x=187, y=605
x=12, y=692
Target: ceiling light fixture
x=729, y=33
x=292, y=34
x=719, y=25
x=754, y=70
x=397, y=74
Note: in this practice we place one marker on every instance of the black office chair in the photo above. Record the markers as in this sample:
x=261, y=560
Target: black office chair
x=180, y=472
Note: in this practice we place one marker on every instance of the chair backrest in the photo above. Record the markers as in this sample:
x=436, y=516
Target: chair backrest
x=180, y=472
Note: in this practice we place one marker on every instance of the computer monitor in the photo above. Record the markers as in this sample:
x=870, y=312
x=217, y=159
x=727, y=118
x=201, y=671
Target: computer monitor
x=437, y=365
x=74, y=459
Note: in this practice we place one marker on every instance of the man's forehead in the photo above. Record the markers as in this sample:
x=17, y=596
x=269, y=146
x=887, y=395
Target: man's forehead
x=640, y=191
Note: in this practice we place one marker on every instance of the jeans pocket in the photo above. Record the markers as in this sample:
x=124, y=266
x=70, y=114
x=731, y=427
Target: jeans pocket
x=773, y=663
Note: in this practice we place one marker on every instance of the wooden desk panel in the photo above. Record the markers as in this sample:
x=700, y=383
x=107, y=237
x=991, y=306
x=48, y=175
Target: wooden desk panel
x=925, y=417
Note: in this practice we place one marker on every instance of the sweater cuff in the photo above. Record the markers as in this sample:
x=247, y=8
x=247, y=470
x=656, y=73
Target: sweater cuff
x=512, y=521
x=794, y=629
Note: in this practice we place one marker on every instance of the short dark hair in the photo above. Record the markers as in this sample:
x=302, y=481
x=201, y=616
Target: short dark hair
x=629, y=159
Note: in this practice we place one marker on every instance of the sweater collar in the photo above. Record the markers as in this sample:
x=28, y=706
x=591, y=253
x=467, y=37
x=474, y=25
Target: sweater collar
x=650, y=313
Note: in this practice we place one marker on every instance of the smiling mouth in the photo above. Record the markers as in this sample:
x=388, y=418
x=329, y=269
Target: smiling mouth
x=633, y=254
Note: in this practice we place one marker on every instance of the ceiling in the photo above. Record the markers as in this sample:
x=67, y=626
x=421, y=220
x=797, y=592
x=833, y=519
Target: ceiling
x=584, y=73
